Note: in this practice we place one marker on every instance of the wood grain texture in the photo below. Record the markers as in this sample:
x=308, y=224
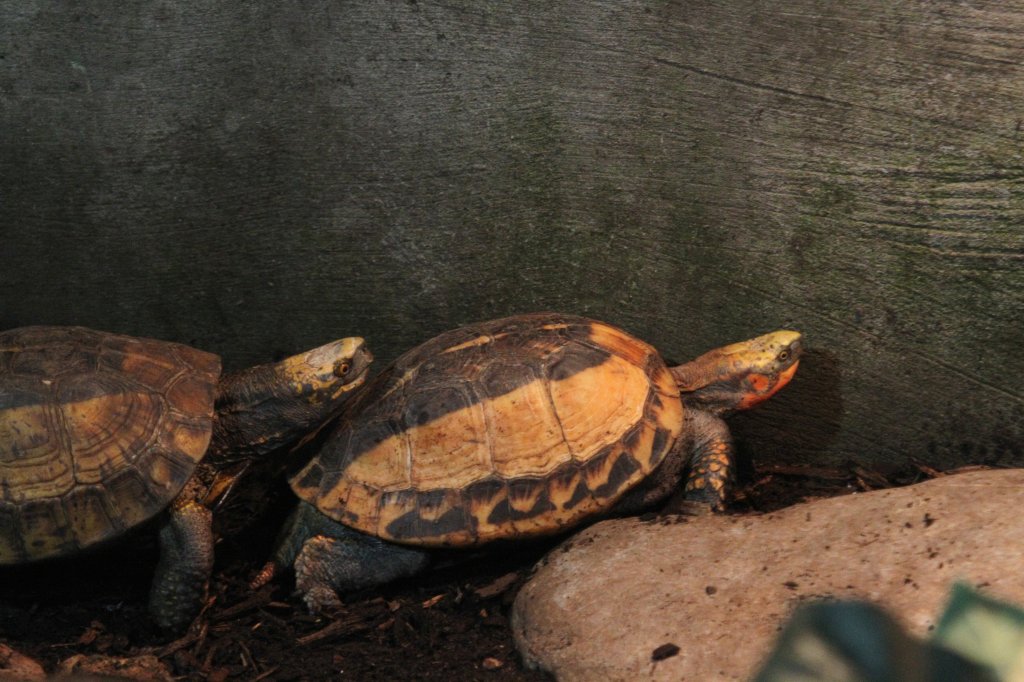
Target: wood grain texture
x=259, y=179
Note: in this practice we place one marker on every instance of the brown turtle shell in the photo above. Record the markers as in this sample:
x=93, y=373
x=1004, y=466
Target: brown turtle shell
x=511, y=428
x=98, y=432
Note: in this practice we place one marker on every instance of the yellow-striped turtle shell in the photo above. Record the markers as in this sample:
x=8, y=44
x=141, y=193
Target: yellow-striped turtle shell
x=505, y=429
x=98, y=432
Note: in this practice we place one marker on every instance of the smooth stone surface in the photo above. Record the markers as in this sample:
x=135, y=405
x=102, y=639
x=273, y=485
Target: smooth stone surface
x=721, y=587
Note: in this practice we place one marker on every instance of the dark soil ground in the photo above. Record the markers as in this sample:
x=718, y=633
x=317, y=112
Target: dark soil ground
x=450, y=624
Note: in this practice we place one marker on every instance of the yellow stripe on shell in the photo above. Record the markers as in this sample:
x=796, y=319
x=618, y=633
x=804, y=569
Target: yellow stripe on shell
x=474, y=343
x=596, y=406
x=512, y=436
x=621, y=344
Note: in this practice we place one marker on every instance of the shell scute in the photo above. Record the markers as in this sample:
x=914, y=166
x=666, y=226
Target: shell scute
x=89, y=516
x=451, y=450
x=28, y=433
x=142, y=369
x=44, y=525
x=525, y=435
x=52, y=361
x=11, y=541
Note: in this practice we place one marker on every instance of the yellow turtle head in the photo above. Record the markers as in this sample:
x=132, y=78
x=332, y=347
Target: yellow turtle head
x=327, y=372
x=266, y=407
x=740, y=375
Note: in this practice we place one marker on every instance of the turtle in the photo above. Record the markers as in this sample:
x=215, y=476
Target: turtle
x=100, y=432
x=514, y=428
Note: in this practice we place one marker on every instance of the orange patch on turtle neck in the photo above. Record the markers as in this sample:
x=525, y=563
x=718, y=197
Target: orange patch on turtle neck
x=762, y=389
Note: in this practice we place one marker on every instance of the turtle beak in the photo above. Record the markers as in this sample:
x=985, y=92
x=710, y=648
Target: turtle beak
x=785, y=376
x=794, y=346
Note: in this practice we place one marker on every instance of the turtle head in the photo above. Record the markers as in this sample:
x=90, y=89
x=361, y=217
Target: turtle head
x=325, y=374
x=267, y=407
x=740, y=375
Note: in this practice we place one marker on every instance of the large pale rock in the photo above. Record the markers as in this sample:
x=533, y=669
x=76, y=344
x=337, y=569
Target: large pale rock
x=17, y=667
x=720, y=588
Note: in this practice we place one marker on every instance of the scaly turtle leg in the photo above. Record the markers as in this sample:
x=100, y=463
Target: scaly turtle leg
x=658, y=486
x=186, y=561
x=330, y=558
x=705, y=459
x=712, y=475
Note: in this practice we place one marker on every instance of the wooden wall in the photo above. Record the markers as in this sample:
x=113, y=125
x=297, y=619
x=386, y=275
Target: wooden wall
x=260, y=177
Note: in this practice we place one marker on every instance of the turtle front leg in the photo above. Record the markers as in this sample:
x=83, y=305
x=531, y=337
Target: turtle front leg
x=661, y=484
x=712, y=476
x=185, y=565
x=704, y=459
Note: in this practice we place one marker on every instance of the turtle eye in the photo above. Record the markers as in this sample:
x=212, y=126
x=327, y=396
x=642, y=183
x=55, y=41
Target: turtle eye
x=342, y=368
x=783, y=356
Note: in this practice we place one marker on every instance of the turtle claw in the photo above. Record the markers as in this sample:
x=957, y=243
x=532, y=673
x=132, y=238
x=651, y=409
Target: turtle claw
x=265, y=575
x=321, y=598
x=686, y=507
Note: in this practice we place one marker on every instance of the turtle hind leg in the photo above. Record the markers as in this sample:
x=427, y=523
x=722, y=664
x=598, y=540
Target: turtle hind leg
x=330, y=558
x=303, y=523
x=185, y=565
x=329, y=565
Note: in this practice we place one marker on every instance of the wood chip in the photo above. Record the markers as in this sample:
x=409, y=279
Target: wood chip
x=872, y=477
x=927, y=470
x=91, y=633
x=261, y=598
x=433, y=601
x=192, y=636
x=935, y=473
x=491, y=663
x=218, y=675
x=497, y=586
x=145, y=668
x=345, y=625
x=264, y=675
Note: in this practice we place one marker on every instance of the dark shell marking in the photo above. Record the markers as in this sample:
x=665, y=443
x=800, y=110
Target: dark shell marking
x=98, y=432
x=509, y=428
